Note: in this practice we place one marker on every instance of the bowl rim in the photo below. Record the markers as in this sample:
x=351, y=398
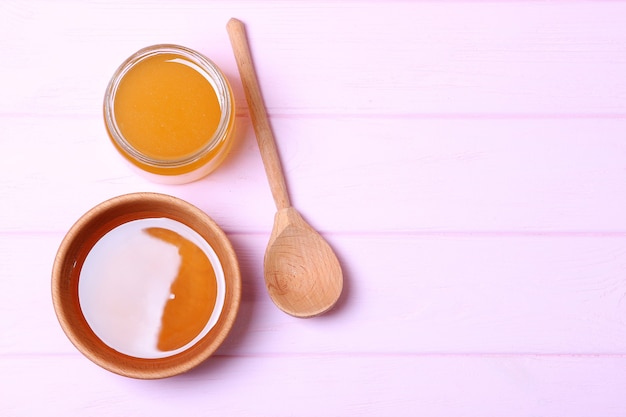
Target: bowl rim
x=79, y=240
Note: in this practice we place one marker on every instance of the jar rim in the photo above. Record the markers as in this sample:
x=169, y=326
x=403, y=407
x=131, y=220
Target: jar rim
x=217, y=80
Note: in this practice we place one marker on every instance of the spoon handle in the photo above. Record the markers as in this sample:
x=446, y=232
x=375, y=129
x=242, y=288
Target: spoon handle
x=260, y=121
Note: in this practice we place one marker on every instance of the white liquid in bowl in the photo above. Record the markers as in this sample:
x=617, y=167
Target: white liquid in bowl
x=151, y=288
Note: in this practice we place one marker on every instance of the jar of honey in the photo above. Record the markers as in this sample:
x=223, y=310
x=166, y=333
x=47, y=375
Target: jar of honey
x=169, y=111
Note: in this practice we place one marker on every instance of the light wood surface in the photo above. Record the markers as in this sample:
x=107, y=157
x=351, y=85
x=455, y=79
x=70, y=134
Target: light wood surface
x=482, y=143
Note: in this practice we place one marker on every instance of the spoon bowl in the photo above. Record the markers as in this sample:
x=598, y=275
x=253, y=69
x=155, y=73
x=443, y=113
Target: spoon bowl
x=302, y=273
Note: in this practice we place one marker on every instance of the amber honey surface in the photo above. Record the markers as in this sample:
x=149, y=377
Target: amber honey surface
x=166, y=107
x=192, y=294
x=151, y=288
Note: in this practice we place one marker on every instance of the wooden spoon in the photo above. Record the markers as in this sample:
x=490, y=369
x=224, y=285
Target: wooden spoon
x=302, y=273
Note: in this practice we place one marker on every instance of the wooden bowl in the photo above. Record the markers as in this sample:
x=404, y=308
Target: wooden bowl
x=74, y=249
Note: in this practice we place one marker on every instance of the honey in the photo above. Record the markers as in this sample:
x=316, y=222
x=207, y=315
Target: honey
x=169, y=111
x=151, y=288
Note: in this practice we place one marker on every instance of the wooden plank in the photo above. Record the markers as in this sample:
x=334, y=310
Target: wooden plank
x=313, y=385
x=404, y=59
x=347, y=175
x=420, y=294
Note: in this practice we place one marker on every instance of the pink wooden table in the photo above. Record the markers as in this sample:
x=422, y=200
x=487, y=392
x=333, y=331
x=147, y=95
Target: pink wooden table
x=467, y=161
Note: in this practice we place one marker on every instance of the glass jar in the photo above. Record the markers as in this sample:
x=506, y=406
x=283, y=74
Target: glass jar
x=170, y=112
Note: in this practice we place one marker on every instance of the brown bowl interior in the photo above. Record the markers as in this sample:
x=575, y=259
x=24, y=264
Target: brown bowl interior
x=79, y=241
